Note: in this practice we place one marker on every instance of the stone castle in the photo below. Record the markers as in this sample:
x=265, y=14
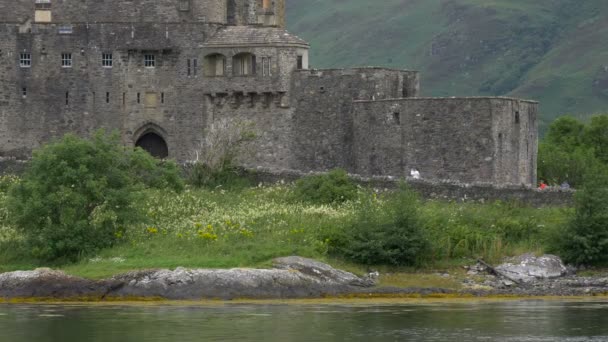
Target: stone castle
x=161, y=72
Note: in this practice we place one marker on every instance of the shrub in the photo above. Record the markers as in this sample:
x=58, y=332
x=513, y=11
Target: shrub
x=7, y=181
x=584, y=240
x=215, y=161
x=332, y=187
x=389, y=234
x=77, y=195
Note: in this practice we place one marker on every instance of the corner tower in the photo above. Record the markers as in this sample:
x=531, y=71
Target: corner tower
x=256, y=12
x=211, y=11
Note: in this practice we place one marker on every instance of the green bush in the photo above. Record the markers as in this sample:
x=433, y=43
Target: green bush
x=329, y=188
x=77, y=195
x=584, y=240
x=216, y=162
x=389, y=233
x=200, y=175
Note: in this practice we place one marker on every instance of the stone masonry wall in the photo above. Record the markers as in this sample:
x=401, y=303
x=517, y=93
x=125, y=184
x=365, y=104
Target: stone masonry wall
x=118, y=11
x=323, y=133
x=168, y=100
x=443, y=138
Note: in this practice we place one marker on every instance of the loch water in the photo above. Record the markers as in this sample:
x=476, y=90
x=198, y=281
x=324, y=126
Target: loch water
x=527, y=320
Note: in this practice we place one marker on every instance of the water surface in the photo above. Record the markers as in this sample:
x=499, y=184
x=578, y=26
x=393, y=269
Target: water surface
x=502, y=321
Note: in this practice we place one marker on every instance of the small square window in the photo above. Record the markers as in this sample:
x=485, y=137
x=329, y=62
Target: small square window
x=150, y=61
x=106, y=60
x=25, y=60
x=66, y=60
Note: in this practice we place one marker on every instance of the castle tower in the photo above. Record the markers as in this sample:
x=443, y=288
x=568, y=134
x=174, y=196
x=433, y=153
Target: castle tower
x=212, y=11
x=256, y=12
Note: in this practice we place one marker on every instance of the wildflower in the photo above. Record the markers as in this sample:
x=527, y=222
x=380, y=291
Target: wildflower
x=152, y=230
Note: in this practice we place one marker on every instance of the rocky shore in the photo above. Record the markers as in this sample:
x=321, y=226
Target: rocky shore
x=296, y=277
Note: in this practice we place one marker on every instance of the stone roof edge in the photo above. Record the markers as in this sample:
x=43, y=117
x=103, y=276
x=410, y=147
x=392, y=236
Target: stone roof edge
x=452, y=98
x=227, y=45
x=358, y=68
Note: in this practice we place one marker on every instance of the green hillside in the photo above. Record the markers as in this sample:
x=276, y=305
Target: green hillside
x=553, y=51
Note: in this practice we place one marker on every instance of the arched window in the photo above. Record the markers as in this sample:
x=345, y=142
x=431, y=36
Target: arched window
x=215, y=65
x=243, y=64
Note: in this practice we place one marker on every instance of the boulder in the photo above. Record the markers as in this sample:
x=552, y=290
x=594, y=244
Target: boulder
x=528, y=267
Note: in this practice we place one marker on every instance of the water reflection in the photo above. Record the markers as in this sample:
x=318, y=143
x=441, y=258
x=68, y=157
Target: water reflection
x=506, y=321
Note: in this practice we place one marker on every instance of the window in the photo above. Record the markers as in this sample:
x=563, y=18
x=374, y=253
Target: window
x=214, y=65
x=106, y=60
x=107, y=97
x=194, y=66
x=243, y=64
x=162, y=97
x=138, y=98
x=25, y=60
x=67, y=98
x=24, y=92
x=266, y=62
x=300, y=62
x=66, y=60
x=397, y=118
x=150, y=61
x=189, y=69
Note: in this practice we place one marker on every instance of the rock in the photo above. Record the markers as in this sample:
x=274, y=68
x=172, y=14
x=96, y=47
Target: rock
x=292, y=277
x=527, y=268
x=322, y=271
x=47, y=283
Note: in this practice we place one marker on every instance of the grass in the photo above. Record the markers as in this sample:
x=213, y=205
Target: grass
x=249, y=227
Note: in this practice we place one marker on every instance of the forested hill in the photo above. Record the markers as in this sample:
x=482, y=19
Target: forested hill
x=554, y=51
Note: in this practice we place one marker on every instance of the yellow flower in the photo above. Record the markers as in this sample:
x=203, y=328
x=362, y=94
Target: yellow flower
x=152, y=230
x=206, y=235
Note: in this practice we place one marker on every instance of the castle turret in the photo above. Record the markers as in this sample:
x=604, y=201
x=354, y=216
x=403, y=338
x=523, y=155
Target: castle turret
x=260, y=12
x=213, y=11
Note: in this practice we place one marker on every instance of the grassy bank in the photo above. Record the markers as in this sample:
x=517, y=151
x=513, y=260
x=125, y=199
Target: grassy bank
x=247, y=228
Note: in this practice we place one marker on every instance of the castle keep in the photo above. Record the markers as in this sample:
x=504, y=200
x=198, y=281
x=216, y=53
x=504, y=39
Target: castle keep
x=163, y=71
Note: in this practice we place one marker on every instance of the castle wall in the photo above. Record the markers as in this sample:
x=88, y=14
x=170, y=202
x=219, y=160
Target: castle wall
x=119, y=11
x=175, y=99
x=465, y=139
x=323, y=133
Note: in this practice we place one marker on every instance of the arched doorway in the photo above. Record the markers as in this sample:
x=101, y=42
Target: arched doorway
x=153, y=144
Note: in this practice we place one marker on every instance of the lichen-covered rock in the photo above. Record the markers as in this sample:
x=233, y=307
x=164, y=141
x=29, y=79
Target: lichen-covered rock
x=47, y=283
x=293, y=277
x=322, y=271
x=527, y=268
